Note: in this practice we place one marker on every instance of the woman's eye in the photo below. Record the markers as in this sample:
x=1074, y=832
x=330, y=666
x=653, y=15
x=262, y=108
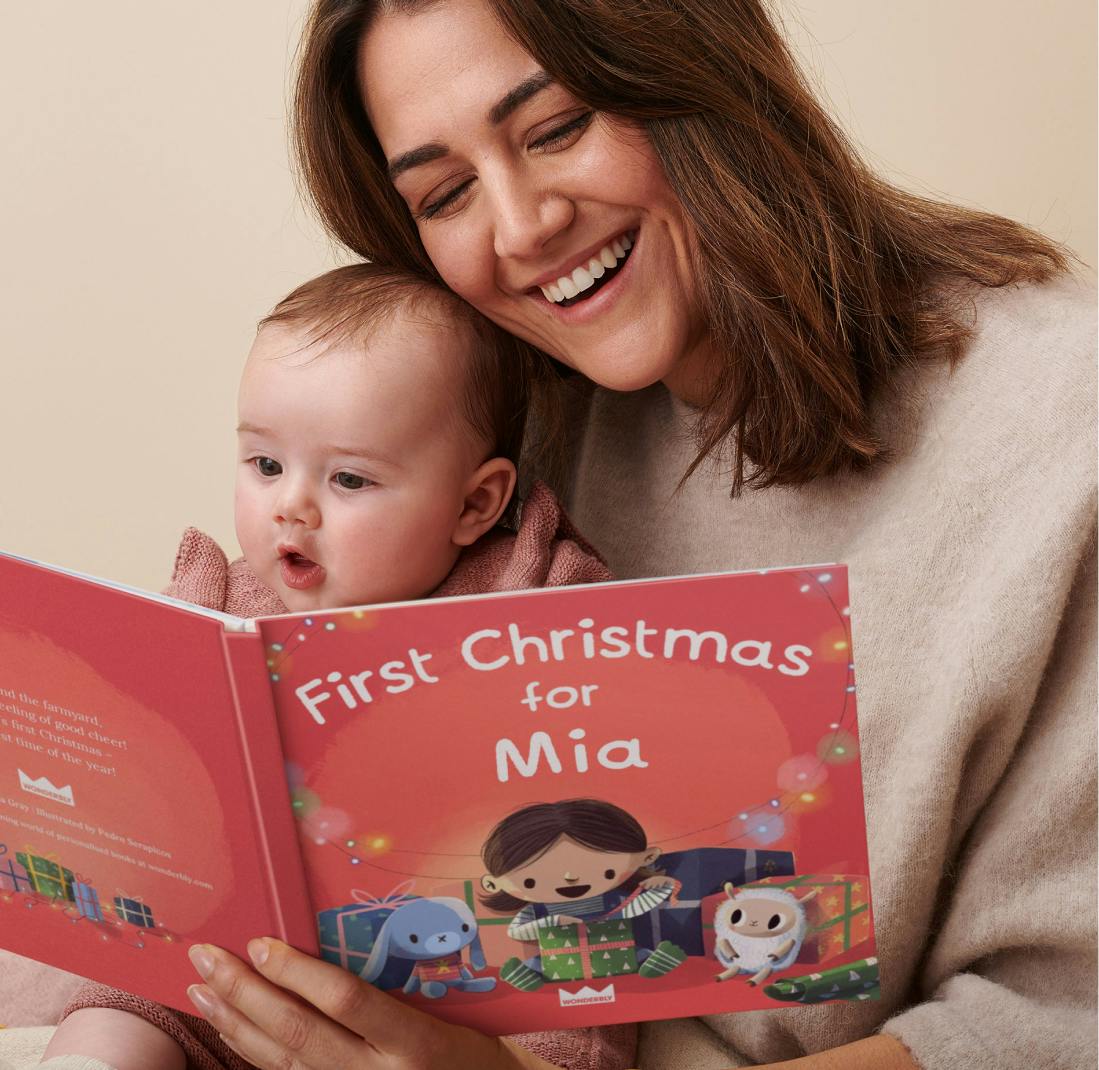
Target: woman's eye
x=447, y=200
x=561, y=136
x=350, y=481
x=266, y=466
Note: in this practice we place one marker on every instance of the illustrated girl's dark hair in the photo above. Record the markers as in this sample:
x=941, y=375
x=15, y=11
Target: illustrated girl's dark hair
x=819, y=278
x=525, y=835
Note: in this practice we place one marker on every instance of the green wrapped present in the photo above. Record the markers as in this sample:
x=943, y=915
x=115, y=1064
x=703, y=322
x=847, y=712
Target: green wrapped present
x=47, y=877
x=855, y=981
x=584, y=952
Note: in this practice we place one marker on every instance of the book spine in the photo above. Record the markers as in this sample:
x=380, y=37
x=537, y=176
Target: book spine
x=276, y=830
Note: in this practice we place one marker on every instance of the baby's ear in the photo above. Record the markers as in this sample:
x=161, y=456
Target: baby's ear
x=487, y=493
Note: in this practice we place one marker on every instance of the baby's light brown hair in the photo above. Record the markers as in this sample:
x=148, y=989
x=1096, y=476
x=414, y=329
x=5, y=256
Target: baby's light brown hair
x=350, y=303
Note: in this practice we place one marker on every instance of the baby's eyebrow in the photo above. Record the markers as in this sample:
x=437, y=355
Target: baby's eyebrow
x=360, y=452
x=245, y=428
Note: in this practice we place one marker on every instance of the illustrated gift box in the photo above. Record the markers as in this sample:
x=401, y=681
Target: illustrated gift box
x=839, y=914
x=14, y=877
x=347, y=935
x=587, y=951
x=701, y=872
x=134, y=911
x=87, y=901
x=47, y=877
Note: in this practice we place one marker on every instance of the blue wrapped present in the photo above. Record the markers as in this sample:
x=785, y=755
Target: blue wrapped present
x=87, y=901
x=347, y=935
x=701, y=872
x=134, y=911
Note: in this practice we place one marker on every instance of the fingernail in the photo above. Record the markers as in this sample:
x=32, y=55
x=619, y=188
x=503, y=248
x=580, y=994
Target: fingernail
x=206, y=1002
x=257, y=952
x=201, y=959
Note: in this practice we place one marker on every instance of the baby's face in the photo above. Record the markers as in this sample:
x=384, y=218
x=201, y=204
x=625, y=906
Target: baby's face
x=353, y=462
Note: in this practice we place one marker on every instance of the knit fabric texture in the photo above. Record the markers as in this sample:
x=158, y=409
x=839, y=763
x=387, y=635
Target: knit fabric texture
x=971, y=554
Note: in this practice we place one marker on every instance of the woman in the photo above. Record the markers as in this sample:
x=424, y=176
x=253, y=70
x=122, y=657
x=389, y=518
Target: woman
x=792, y=361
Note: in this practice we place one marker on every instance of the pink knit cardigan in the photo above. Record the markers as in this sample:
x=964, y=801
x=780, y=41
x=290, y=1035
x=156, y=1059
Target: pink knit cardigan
x=547, y=551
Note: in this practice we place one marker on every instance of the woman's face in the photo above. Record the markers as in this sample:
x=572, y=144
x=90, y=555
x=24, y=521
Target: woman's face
x=553, y=221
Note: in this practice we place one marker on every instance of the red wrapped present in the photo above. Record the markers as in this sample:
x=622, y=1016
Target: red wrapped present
x=839, y=914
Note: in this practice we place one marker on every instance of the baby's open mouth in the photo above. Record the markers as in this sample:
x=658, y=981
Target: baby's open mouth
x=298, y=571
x=588, y=279
x=573, y=891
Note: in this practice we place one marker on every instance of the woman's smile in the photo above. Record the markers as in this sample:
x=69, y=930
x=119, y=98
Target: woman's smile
x=593, y=271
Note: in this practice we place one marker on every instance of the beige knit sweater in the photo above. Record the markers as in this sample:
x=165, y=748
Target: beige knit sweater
x=972, y=568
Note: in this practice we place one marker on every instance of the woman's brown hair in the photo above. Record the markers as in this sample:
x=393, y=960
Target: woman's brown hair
x=818, y=277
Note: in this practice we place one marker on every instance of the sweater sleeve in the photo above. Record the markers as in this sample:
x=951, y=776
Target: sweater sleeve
x=1009, y=980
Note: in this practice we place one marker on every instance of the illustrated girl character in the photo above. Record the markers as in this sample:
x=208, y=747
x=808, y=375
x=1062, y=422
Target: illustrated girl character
x=568, y=863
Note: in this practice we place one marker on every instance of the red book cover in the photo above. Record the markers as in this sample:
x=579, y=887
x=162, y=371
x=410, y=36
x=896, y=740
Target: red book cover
x=562, y=808
x=546, y=809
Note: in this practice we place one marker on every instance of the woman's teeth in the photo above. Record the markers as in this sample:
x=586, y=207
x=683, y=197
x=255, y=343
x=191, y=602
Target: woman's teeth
x=584, y=277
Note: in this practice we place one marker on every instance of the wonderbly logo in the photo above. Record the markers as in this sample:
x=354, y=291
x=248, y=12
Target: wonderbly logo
x=42, y=786
x=586, y=996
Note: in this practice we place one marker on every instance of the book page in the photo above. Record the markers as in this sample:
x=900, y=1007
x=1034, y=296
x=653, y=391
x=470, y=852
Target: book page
x=127, y=823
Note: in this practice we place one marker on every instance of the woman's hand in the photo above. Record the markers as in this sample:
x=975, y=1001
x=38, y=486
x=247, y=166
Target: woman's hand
x=295, y=1012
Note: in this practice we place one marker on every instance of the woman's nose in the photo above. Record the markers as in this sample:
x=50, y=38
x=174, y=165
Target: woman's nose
x=295, y=505
x=526, y=217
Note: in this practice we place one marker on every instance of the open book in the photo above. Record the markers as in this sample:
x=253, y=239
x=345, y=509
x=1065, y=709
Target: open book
x=359, y=783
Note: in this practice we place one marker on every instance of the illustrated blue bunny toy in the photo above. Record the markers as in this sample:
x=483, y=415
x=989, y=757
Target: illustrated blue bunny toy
x=431, y=933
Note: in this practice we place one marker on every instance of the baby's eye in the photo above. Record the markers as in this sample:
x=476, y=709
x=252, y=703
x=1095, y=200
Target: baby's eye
x=350, y=481
x=267, y=466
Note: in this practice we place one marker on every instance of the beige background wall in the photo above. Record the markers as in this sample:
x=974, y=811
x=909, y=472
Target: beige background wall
x=149, y=218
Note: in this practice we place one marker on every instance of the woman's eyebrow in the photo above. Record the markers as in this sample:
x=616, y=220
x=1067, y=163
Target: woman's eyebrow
x=519, y=95
x=434, y=150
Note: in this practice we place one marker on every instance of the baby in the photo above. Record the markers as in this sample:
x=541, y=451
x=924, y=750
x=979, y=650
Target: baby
x=380, y=420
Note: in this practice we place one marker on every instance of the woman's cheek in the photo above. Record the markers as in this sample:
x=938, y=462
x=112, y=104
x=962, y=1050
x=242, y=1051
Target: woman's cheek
x=462, y=254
